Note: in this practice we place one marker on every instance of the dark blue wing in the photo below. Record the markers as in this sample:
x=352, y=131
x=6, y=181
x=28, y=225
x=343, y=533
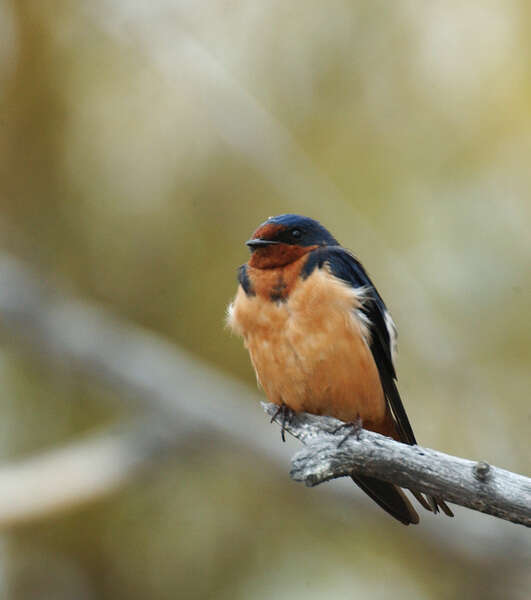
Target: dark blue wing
x=244, y=280
x=347, y=268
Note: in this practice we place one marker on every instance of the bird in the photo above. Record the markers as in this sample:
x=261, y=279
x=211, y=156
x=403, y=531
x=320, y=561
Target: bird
x=322, y=341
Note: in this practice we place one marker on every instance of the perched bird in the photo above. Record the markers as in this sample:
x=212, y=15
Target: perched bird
x=321, y=339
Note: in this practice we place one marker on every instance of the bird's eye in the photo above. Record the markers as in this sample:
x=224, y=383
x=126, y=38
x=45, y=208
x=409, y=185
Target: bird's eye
x=296, y=233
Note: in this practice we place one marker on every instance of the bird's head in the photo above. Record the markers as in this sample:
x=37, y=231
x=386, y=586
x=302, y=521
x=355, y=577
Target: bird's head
x=286, y=238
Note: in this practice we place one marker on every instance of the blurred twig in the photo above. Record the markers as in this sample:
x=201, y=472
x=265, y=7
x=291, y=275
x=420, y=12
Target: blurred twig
x=329, y=454
x=82, y=471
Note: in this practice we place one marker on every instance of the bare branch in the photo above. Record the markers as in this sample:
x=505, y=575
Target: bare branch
x=330, y=453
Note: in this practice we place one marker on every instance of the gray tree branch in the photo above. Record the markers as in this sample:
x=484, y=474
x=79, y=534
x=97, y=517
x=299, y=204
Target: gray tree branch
x=331, y=452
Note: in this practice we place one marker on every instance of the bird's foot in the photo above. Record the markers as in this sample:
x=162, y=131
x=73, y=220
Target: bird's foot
x=353, y=427
x=286, y=416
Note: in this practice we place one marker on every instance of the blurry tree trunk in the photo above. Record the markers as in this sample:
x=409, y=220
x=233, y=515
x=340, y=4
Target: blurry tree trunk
x=33, y=131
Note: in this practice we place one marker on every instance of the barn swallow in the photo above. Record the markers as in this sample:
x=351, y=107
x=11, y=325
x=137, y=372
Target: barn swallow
x=321, y=339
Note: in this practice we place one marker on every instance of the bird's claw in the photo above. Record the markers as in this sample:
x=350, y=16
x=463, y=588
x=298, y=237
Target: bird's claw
x=354, y=428
x=286, y=416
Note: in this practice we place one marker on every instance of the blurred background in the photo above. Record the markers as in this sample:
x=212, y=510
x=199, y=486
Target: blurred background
x=140, y=145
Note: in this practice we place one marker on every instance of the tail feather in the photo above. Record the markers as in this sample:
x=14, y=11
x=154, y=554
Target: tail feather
x=427, y=503
x=433, y=504
x=444, y=507
x=389, y=497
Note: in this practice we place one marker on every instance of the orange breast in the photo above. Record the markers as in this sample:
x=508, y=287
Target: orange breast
x=311, y=351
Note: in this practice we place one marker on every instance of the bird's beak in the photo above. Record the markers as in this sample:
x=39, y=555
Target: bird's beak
x=258, y=243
